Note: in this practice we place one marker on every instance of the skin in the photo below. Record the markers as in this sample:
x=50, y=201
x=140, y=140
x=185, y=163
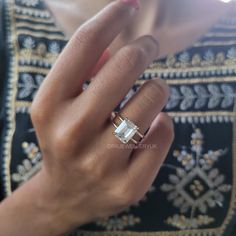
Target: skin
x=64, y=194
x=182, y=22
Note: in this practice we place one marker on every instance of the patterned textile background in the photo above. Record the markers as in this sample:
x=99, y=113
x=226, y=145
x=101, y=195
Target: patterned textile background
x=195, y=192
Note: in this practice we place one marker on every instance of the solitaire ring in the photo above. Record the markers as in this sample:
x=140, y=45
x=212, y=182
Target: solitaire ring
x=125, y=130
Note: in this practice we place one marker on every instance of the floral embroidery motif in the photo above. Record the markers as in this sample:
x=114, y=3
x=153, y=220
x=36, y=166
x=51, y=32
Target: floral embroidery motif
x=189, y=65
x=118, y=223
x=44, y=14
x=196, y=186
x=182, y=222
x=54, y=48
x=38, y=54
x=29, y=85
x=199, y=96
x=29, y=166
x=28, y=43
x=208, y=58
x=29, y=3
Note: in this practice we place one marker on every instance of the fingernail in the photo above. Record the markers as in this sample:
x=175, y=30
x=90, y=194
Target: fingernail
x=134, y=3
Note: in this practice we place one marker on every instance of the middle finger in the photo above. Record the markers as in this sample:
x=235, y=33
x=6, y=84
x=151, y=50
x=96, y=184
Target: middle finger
x=116, y=78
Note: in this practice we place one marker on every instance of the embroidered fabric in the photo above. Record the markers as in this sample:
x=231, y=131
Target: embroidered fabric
x=195, y=192
x=2, y=80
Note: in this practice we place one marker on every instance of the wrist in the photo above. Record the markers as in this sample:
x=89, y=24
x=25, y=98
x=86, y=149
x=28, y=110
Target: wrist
x=30, y=210
x=49, y=205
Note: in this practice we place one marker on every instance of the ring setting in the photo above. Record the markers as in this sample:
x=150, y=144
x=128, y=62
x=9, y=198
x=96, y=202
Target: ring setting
x=126, y=130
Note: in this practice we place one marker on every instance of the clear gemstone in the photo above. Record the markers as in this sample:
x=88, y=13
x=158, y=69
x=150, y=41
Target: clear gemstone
x=126, y=131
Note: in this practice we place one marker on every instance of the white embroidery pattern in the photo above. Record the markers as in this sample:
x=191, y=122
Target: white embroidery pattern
x=198, y=96
x=196, y=186
x=29, y=3
x=29, y=43
x=30, y=166
x=54, y=48
x=29, y=85
x=118, y=223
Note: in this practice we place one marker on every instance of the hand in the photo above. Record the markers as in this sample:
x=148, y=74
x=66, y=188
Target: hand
x=182, y=22
x=82, y=179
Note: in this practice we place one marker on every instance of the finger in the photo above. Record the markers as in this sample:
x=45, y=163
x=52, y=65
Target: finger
x=146, y=161
x=141, y=109
x=85, y=48
x=116, y=78
x=101, y=62
x=146, y=104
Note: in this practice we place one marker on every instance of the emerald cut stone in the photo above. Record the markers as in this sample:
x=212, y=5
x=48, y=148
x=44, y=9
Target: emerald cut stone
x=126, y=131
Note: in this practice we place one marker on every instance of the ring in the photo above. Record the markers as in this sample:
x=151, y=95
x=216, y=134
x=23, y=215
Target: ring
x=126, y=130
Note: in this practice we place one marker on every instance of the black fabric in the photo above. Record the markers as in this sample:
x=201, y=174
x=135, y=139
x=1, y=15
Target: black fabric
x=3, y=67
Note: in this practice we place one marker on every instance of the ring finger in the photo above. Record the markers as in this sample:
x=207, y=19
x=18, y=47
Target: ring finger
x=144, y=106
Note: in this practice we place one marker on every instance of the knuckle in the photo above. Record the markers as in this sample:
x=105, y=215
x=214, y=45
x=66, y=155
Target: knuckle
x=156, y=89
x=65, y=134
x=83, y=35
x=151, y=45
x=139, y=54
x=151, y=93
x=62, y=140
x=87, y=168
x=134, y=56
x=93, y=171
x=126, y=197
x=38, y=113
x=147, y=102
